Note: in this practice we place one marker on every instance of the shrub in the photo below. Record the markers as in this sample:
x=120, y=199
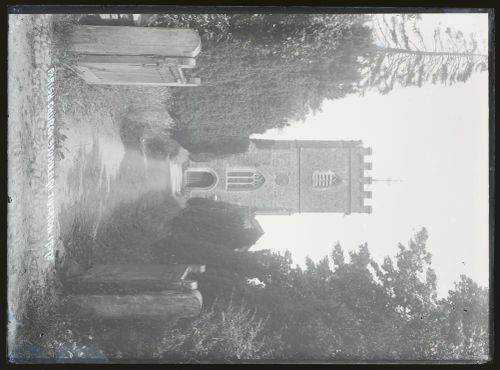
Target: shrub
x=220, y=223
x=224, y=332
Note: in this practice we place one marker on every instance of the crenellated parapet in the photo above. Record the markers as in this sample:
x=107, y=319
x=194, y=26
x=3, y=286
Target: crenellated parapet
x=304, y=176
x=361, y=183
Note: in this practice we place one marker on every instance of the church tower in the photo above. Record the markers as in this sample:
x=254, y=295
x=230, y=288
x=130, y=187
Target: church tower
x=289, y=176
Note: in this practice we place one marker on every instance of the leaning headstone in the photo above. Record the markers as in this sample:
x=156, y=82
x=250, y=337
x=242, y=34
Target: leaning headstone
x=167, y=304
x=134, y=278
x=138, y=291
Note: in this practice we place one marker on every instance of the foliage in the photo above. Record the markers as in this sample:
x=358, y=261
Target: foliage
x=392, y=311
x=224, y=332
x=242, y=95
x=254, y=79
x=215, y=222
x=349, y=307
x=403, y=58
x=214, y=27
x=466, y=308
x=304, y=37
x=295, y=36
x=161, y=145
x=228, y=271
x=411, y=288
x=51, y=330
x=259, y=72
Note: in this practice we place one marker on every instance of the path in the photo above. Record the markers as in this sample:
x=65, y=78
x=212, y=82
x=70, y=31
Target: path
x=97, y=174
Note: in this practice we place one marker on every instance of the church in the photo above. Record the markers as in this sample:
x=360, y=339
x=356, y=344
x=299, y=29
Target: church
x=287, y=176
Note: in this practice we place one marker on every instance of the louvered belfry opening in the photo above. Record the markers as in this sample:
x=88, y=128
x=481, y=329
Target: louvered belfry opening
x=199, y=179
x=244, y=180
x=325, y=179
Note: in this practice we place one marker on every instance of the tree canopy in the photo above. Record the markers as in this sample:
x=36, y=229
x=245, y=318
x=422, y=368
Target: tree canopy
x=261, y=71
x=401, y=56
x=345, y=307
x=222, y=223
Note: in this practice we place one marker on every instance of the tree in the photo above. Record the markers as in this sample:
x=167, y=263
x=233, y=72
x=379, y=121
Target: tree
x=410, y=285
x=211, y=27
x=294, y=36
x=401, y=57
x=255, y=80
x=467, y=330
x=216, y=222
x=370, y=328
x=338, y=309
x=305, y=37
x=343, y=308
x=331, y=310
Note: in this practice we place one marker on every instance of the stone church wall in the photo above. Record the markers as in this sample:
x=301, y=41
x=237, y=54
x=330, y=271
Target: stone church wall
x=275, y=164
x=288, y=168
x=332, y=199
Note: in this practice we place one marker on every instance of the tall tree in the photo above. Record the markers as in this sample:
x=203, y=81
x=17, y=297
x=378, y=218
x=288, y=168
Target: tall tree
x=341, y=307
x=403, y=56
x=262, y=71
x=466, y=312
x=410, y=285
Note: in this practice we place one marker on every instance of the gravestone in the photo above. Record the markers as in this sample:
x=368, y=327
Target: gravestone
x=142, y=290
x=123, y=55
x=168, y=304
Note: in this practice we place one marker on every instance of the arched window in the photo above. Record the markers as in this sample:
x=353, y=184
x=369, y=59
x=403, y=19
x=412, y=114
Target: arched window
x=325, y=179
x=200, y=179
x=243, y=179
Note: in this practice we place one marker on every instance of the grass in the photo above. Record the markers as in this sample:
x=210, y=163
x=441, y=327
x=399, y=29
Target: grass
x=56, y=330
x=51, y=329
x=32, y=286
x=128, y=235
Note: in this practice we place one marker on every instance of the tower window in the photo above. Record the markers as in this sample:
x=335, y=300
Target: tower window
x=325, y=179
x=200, y=179
x=243, y=179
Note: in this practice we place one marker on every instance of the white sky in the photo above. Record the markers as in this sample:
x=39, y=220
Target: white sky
x=434, y=139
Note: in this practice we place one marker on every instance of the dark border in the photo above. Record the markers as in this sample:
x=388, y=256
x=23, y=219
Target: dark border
x=313, y=6
x=244, y=7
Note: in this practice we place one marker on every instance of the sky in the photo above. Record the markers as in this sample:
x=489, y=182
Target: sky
x=434, y=140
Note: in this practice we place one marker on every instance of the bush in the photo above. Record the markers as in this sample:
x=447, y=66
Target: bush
x=224, y=332
x=130, y=232
x=162, y=146
x=220, y=223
